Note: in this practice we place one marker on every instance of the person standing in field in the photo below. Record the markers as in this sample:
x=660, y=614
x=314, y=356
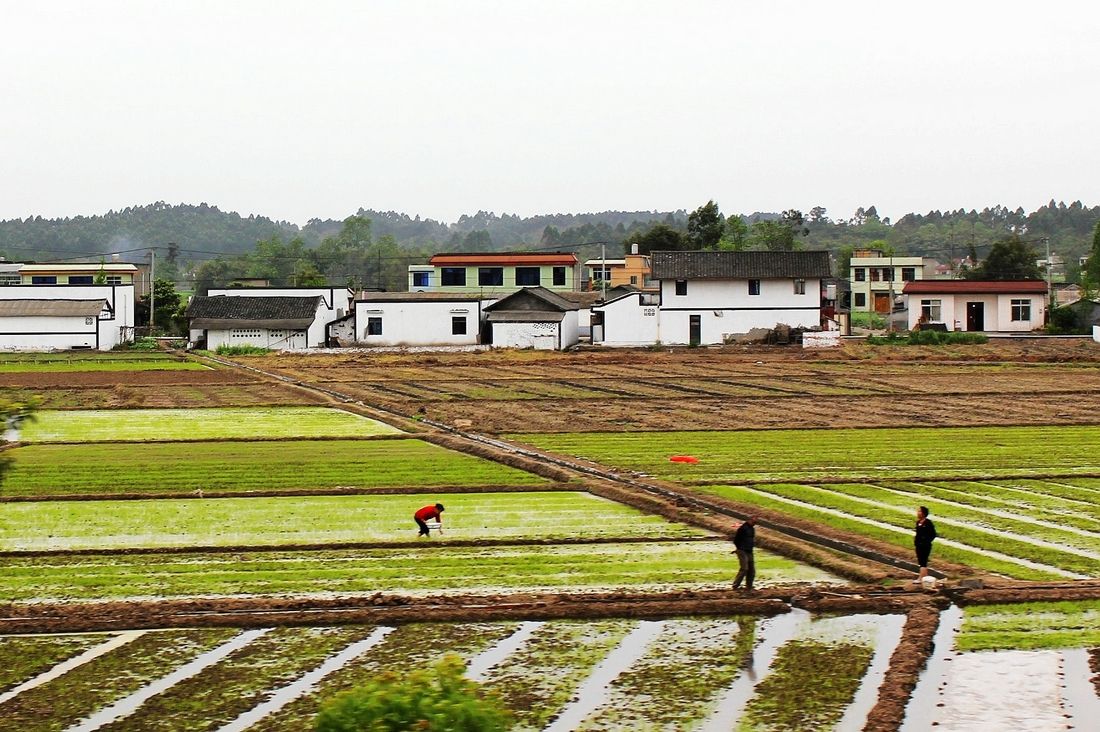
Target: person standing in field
x=922, y=540
x=426, y=514
x=743, y=541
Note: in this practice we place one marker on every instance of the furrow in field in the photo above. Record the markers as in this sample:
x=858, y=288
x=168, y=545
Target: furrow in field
x=64, y=667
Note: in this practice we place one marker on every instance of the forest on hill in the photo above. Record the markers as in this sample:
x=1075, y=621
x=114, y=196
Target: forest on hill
x=200, y=245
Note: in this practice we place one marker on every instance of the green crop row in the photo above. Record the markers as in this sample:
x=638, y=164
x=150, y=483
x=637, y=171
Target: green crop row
x=143, y=425
x=24, y=657
x=419, y=569
x=902, y=537
x=857, y=454
x=106, y=469
x=988, y=496
x=320, y=519
x=140, y=364
x=1030, y=626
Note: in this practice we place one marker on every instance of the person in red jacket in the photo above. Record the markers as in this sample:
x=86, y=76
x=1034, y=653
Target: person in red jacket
x=428, y=513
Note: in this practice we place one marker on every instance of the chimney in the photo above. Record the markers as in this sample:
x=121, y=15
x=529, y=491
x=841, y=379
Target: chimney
x=634, y=248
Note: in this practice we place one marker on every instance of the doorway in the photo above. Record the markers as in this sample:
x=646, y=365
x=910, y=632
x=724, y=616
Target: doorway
x=695, y=330
x=882, y=303
x=975, y=316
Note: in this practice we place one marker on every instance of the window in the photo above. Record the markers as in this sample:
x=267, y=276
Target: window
x=860, y=274
x=908, y=274
x=12, y=278
x=458, y=325
x=754, y=287
x=876, y=273
x=601, y=275
x=249, y=333
x=800, y=287
x=887, y=274
x=633, y=279
x=43, y=280
x=453, y=276
x=490, y=276
x=114, y=279
x=1021, y=310
x=81, y=280
x=374, y=326
x=930, y=311
x=528, y=276
x=860, y=299
x=681, y=287
x=422, y=279
x=559, y=276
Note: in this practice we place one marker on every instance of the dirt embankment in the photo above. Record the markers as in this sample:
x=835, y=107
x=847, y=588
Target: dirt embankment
x=1009, y=592
x=906, y=663
x=1094, y=666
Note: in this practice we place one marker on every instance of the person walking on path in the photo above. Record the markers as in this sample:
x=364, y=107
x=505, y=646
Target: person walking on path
x=426, y=514
x=922, y=540
x=743, y=542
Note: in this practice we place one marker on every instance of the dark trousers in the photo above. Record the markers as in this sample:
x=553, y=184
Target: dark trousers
x=423, y=527
x=747, y=569
x=923, y=552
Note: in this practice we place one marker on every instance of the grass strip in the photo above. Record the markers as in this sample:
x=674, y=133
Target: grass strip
x=28, y=367
x=809, y=688
x=901, y=538
x=1030, y=626
x=407, y=648
x=320, y=519
x=24, y=657
x=166, y=425
x=64, y=701
x=106, y=469
x=808, y=455
x=990, y=496
x=657, y=565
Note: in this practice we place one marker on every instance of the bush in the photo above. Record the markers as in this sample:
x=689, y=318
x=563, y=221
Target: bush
x=224, y=350
x=1065, y=321
x=433, y=700
x=929, y=338
x=874, y=321
x=140, y=344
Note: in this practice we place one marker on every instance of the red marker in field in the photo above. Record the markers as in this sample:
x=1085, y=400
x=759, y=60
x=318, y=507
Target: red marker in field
x=683, y=459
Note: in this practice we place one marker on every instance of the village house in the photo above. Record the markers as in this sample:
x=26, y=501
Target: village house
x=413, y=319
x=978, y=305
x=877, y=280
x=277, y=318
x=632, y=270
x=495, y=273
x=68, y=316
x=533, y=317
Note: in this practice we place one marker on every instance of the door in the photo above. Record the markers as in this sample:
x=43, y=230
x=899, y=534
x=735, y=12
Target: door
x=695, y=330
x=882, y=302
x=975, y=316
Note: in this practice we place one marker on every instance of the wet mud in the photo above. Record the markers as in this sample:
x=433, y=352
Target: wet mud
x=906, y=663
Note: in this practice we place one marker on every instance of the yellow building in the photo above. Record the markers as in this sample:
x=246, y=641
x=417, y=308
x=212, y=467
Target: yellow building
x=633, y=269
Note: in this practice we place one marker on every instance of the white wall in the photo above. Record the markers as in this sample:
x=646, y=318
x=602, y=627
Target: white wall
x=998, y=311
x=570, y=330
x=629, y=323
x=423, y=323
x=541, y=336
x=258, y=337
x=726, y=307
x=335, y=303
x=113, y=328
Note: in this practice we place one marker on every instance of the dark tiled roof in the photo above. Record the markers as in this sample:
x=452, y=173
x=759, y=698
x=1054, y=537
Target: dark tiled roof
x=1015, y=287
x=418, y=297
x=739, y=265
x=278, y=311
x=533, y=299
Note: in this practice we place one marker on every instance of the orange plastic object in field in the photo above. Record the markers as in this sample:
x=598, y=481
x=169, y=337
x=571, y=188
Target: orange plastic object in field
x=683, y=459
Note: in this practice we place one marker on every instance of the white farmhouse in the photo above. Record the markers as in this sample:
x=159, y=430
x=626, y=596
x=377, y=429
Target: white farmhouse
x=62, y=317
x=632, y=319
x=335, y=303
x=533, y=317
x=706, y=296
x=417, y=319
x=978, y=305
x=277, y=322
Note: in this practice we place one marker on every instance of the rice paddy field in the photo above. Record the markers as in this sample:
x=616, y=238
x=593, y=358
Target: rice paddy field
x=156, y=480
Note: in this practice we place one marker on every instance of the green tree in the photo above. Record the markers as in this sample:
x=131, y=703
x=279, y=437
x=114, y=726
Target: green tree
x=166, y=302
x=1092, y=266
x=1011, y=258
x=779, y=235
x=659, y=237
x=735, y=238
x=705, y=226
x=439, y=699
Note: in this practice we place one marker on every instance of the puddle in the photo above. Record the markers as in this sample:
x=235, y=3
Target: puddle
x=772, y=633
x=925, y=696
x=887, y=637
x=128, y=705
x=76, y=661
x=1078, y=693
x=1002, y=690
x=594, y=691
x=481, y=664
x=307, y=683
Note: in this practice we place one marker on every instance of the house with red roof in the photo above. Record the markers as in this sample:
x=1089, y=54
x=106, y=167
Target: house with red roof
x=495, y=273
x=978, y=305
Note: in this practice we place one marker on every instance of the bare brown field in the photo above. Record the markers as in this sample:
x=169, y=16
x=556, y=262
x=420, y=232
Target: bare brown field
x=1009, y=383
x=166, y=396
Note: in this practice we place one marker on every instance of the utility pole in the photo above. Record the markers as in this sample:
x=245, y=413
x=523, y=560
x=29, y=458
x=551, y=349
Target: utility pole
x=152, y=287
x=603, y=271
x=1050, y=292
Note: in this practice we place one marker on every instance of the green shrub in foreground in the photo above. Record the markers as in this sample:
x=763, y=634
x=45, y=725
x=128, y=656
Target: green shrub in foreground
x=224, y=350
x=929, y=338
x=433, y=700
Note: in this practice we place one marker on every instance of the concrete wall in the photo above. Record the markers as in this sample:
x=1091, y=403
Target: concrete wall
x=425, y=323
x=540, y=336
x=335, y=303
x=570, y=329
x=44, y=334
x=258, y=337
x=629, y=323
x=725, y=307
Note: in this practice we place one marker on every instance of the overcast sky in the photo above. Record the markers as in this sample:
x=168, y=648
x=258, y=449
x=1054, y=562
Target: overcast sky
x=310, y=109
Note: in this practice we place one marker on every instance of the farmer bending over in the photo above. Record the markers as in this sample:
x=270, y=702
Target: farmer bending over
x=428, y=513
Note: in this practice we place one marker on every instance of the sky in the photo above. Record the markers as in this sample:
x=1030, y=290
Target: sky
x=296, y=110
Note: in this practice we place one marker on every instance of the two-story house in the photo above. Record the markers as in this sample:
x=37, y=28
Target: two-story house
x=634, y=270
x=495, y=273
x=876, y=279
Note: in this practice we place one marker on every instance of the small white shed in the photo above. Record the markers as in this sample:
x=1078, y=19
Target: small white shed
x=275, y=322
x=533, y=317
x=418, y=319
